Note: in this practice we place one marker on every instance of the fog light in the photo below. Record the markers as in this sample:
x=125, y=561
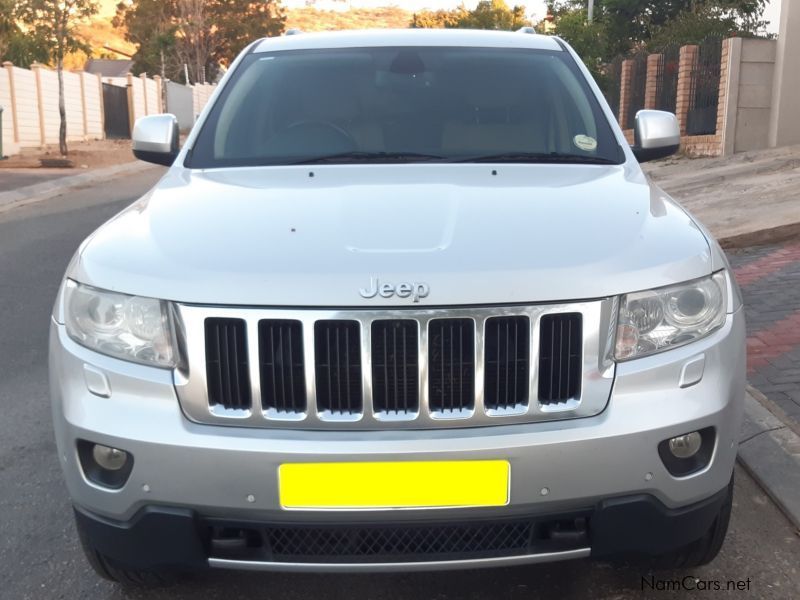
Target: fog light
x=685, y=446
x=688, y=453
x=105, y=465
x=111, y=459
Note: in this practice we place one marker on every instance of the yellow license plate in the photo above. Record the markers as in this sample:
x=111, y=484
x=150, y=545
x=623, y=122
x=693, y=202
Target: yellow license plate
x=394, y=484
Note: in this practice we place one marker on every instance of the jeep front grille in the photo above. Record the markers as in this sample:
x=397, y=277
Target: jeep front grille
x=409, y=368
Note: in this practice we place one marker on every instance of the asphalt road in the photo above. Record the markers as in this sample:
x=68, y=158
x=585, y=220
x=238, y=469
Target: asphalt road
x=39, y=554
x=11, y=179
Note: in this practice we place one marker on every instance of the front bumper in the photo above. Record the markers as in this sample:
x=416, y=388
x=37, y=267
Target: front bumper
x=158, y=537
x=231, y=473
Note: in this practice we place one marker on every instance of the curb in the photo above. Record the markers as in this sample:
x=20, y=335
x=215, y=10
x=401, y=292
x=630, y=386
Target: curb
x=761, y=237
x=769, y=450
x=49, y=189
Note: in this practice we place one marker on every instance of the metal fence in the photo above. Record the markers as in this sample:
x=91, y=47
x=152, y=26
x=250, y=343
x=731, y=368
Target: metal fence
x=704, y=91
x=637, y=89
x=667, y=78
x=612, y=82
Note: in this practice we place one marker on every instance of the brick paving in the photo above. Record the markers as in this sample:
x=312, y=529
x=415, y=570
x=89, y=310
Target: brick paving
x=770, y=280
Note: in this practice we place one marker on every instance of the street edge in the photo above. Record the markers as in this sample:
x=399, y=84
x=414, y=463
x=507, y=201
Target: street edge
x=769, y=450
x=761, y=237
x=49, y=189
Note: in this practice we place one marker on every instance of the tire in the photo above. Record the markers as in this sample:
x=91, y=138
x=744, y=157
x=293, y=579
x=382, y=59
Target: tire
x=111, y=570
x=702, y=551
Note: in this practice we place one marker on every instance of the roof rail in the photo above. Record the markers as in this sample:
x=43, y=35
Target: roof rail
x=293, y=32
x=526, y=30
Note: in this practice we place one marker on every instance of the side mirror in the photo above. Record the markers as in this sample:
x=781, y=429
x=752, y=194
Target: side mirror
x=656, y=135
x=155, y=139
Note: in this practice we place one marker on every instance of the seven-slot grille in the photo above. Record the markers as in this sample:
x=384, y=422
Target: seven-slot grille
x=397, y=368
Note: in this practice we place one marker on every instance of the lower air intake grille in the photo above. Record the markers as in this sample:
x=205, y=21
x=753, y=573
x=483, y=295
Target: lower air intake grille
x=227, y=364
x=294, y=544
x=507, y=350
x=337, y=350
x=560, y=356
x=396, y=542
x=451, y=364
x=395, y=367
x=283, y=382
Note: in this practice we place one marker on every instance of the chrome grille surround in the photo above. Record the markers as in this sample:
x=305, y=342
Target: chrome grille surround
x=597, y=373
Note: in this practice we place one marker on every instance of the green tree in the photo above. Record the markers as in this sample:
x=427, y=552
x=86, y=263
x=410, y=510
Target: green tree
x=151, y=26
x=495, y=14
x=638, y=20
x=15, y=45
x=590, y=40
x=635, y=23
x=488, y=14
x=53, y=23
x=692, y=27
x=437, y=19
x=239, y=22
x=202, y=34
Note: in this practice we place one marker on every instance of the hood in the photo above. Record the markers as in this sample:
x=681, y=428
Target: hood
x=472, y=234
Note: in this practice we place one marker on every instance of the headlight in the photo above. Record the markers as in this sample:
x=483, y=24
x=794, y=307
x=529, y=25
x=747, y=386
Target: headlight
x=669, y=317
x=127, y=327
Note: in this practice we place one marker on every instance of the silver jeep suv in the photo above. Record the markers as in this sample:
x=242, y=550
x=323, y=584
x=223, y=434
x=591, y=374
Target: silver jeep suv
x=404, y=300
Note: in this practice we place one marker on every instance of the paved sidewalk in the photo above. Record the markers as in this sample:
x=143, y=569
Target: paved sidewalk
x=45, y=190
x=745, y=199
x=770, y=280
x=770, y=450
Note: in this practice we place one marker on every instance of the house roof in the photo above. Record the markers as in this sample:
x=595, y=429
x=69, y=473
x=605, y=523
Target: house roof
x=107, y=67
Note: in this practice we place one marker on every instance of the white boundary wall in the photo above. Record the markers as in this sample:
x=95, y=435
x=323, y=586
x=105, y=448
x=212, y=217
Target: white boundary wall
x=187, y=101
x=201, y=92
x=29, y=98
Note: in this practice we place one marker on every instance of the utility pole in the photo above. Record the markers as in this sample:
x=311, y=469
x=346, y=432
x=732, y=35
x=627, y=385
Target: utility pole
x=591, y=11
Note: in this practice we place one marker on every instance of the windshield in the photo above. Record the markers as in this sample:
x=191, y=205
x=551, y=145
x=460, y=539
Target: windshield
x=405, y=104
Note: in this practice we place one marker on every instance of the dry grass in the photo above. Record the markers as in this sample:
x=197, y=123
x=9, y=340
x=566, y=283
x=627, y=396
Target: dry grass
x=311, y=19
x=91, y=154
x=308, y=19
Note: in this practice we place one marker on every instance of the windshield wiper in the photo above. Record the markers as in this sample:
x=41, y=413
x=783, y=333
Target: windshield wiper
x=375, y=157
x=536, y=157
